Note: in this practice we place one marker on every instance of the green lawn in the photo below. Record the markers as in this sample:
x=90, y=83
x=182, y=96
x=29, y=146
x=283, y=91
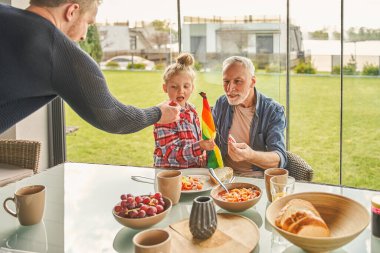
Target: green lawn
x=314, y=123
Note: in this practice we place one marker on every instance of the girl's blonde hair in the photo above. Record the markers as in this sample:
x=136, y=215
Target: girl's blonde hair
x=184, y=63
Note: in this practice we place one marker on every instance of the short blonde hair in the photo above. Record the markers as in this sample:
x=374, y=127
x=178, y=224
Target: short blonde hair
x=184, y=63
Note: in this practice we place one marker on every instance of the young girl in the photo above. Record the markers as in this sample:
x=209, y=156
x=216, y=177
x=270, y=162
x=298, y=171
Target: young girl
x=179, y=144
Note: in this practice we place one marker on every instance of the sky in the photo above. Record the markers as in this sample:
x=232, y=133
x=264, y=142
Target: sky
x=310, y=15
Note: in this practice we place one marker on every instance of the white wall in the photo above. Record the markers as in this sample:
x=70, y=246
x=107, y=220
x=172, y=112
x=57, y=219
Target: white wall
x=20, y=3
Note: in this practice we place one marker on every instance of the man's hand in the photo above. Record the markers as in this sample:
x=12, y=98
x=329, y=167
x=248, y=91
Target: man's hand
x=239, y=151
x=169, y=112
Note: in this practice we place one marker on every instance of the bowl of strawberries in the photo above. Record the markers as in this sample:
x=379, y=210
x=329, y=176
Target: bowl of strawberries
x=141, y=211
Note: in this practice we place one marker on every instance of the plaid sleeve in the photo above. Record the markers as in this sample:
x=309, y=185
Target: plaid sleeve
x=177, y=145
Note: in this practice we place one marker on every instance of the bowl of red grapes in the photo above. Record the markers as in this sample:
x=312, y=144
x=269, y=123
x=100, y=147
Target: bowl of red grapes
x=141, y=211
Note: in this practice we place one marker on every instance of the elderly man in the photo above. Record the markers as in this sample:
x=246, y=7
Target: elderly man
x=39, y=60
x=255, y=121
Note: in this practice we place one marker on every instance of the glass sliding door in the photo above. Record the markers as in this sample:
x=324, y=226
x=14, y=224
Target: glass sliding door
x=254, y=29
x=361, y=103
x=314, y=89
x=138, y=39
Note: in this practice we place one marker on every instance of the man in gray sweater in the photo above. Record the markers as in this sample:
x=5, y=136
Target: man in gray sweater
x=39, y=60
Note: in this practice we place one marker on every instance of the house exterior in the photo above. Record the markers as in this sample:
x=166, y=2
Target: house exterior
x=262, y=39
x=120, y=39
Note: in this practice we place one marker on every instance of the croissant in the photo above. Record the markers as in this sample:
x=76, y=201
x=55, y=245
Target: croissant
x=300, y=217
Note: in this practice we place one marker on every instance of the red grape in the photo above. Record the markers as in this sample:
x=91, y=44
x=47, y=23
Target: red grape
x=146, y=200
x=160, y=209
x=141, y=214
x=123, y=203
x=161, y=202
x=121, y=214
x=129, y=195
x=123, y=197
x=133, y=214
x=130, y=199
x=158, y=195
x=151, y=211
x=131, y=206
x=138, y=199
x=144, y=207
x=118, y=209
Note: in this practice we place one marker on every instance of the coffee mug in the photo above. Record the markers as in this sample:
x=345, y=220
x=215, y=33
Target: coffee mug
x=152, y=241
x=169, y=183
x=30, y=204
x=268, y=174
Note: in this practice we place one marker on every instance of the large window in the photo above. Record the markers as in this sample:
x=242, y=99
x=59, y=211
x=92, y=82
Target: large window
x=331, y=98
x=264, y=44
x=361, y=86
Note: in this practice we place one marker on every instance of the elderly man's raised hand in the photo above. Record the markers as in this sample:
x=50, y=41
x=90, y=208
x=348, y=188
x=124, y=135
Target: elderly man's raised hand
x=169, y=112
x=239, y=151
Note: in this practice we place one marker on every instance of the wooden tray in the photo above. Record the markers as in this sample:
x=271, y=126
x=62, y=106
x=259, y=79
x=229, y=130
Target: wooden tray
x=235, y=233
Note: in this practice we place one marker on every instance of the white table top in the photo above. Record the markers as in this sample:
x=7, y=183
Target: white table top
x=78, y=214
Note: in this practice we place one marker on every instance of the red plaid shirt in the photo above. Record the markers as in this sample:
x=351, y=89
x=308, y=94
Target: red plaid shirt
x=177, y=143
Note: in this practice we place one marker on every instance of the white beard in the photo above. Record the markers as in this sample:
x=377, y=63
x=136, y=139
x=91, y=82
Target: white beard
x=239, y=100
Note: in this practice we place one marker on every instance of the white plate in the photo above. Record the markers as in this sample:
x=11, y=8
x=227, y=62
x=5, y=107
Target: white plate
x=195, y=171
x=207, y=185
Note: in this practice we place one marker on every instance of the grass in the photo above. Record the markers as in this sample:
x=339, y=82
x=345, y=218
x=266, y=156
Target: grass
x=314, y=123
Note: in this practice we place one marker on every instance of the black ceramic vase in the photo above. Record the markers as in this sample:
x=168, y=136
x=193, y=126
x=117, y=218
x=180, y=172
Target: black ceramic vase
x=203, y=221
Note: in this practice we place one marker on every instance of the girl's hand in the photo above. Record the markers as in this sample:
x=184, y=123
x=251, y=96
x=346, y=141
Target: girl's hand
x=203, y=161
x=207, y=144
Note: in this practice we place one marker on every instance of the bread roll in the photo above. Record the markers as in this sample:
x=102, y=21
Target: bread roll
x=224, y=174
x=300, y=217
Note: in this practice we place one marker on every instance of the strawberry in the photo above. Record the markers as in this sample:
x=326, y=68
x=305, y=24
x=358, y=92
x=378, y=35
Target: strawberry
x=231, y=139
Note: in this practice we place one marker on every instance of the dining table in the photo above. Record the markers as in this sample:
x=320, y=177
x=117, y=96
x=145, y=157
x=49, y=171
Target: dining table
x=80, y=198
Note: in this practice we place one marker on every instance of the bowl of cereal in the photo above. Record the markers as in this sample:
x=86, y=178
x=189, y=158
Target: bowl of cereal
x=240, y=196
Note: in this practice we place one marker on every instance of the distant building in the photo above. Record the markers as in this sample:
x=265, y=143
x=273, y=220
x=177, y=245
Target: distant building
x=325, y=54
x=262, y=39
x=114, y=39
x=120, y=39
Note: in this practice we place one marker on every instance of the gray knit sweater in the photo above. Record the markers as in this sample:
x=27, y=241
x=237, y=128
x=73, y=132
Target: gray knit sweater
x=38, y=62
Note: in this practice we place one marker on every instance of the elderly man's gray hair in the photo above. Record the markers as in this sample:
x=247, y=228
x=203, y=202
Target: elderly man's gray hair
x=247, y=63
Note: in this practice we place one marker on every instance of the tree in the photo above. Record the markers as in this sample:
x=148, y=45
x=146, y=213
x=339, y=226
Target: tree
x=161, y=25
x=336, y=35
x=161, y=34
x=362, y=34
x=92, y=44
x=159, y=38
x=319, y=35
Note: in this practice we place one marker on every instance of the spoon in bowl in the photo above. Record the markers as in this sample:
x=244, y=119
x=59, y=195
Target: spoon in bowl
x=211, y=170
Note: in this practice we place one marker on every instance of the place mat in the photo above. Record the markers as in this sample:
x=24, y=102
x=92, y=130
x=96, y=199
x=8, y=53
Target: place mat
x=235, y=233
